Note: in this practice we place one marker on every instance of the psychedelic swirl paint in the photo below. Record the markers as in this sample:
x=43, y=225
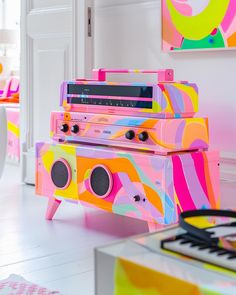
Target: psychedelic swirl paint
x=200, y=24
x=132, y=149
x=149, y=187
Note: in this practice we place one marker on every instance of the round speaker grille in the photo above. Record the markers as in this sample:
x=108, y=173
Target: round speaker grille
x=61, y=174
x=101, y=181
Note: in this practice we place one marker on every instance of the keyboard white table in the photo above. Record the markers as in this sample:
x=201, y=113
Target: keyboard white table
x=140, y=262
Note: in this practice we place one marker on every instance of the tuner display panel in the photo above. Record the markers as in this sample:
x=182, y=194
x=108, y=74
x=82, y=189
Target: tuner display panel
x=110, y=96
x=162, y=100
x=120, y=103
x=110, y=90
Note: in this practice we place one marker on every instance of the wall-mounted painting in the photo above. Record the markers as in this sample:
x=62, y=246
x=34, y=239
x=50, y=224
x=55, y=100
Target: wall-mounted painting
x=198, y=24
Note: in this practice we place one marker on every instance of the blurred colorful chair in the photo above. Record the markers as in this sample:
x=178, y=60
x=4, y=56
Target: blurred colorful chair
x=3, y=138
x=13, y=135
x=10, y=93
x=9, y=97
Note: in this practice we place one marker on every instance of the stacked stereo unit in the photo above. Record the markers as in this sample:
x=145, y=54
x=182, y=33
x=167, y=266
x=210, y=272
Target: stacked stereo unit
x=134, y=149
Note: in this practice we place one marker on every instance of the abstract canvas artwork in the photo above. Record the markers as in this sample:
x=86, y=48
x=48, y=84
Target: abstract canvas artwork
x=198, y=24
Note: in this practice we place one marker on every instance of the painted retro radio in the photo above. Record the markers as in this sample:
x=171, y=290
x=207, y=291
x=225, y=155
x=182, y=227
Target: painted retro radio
x=164, y=99
x=151, y=187
x=158, y=135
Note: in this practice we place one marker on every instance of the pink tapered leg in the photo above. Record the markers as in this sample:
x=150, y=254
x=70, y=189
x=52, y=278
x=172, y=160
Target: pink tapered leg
x=53, y=204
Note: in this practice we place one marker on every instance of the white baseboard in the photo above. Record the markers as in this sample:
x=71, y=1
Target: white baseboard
x=28, y=166
x=12, y=161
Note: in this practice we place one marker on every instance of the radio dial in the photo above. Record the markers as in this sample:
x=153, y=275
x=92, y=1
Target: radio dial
x=143, y=136
x=64, y=128
x=130, y=134
x=137, y=198
x=75, y=129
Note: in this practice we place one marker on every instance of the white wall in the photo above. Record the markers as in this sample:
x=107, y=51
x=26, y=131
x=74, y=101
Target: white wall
x=128, y=35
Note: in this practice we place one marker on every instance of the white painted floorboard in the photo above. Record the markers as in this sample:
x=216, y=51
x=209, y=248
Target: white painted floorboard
x=56, y=254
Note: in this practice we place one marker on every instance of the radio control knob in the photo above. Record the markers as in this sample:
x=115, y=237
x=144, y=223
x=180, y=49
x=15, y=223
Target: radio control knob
x=75, y=129
x=130, y=134
x=143, y=136
x=64, y=128
x=137, y=198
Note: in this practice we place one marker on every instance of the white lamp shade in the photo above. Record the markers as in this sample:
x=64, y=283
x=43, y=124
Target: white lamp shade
x=8, y=37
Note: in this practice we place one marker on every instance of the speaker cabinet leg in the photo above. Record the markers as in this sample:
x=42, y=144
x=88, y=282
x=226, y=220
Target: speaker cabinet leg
x=53, y=204
x=152, y=227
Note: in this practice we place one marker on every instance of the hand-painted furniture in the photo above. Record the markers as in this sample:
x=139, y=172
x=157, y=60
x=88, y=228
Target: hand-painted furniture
x=140, y=266
x=9, y=97
x=10, y=90
x=3, y=138
x=162, y=136
x=13, y=132
x=150, y=187
x=129, y=148
x=165, y=99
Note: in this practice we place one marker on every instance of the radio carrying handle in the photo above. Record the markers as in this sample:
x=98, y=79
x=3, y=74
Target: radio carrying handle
x=162, y=75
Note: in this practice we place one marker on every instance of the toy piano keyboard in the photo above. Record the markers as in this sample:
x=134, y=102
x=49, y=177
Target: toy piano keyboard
x=219, y=255
x=215, y=245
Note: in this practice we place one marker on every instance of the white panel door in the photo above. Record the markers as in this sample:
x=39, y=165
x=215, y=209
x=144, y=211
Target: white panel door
x=57, y=44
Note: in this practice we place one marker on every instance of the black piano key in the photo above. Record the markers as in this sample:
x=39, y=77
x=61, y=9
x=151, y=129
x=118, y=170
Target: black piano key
x=194, y=245
x=222, y=252
x=213, y=250
x=203, y=247
x=185, y=242
x=232, y=256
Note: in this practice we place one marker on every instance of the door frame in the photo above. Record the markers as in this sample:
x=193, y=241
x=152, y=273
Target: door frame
x=83, y=62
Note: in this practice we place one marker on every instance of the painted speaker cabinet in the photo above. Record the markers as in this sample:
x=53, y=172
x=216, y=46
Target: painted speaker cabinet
x=141, y=185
